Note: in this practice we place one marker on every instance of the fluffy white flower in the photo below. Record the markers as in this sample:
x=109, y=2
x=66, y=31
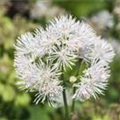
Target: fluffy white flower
x=41, y=59
x=97, y=49
x=64, y=57
x=93, y=82
x=65, y=27
x=26, y=44
x=103, y=51
x=49, y=90
x=42, y=78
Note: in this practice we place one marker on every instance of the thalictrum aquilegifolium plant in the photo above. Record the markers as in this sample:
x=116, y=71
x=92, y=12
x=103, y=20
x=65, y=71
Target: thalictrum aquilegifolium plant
x=43, y=57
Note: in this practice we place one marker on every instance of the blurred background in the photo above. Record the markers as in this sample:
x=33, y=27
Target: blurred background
x=19, y=16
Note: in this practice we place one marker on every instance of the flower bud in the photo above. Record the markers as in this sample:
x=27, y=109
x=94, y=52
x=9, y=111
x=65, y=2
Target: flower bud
x=73, y=79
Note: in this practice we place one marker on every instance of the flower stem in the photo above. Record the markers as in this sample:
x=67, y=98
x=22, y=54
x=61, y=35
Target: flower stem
x=65, y=105
x=81, y=63
x=65, y=98
x=73, y=102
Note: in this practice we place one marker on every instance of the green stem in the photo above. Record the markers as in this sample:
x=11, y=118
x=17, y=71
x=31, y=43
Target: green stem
x=73, y=102
x=79, y=72
x=81, y=67
x=65, y=98
x=65, y=105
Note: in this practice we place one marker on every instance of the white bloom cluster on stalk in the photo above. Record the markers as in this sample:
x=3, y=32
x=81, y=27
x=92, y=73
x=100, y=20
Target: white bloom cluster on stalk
x=41, y=59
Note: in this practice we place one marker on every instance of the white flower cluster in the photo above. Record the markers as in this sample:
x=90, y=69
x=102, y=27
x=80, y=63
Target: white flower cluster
x=41, y=58
x=45, y=9
x=103, y=19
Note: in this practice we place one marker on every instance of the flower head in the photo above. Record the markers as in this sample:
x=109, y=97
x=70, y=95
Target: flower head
x=42, y=58
x=97, y=49
x=93, y=82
